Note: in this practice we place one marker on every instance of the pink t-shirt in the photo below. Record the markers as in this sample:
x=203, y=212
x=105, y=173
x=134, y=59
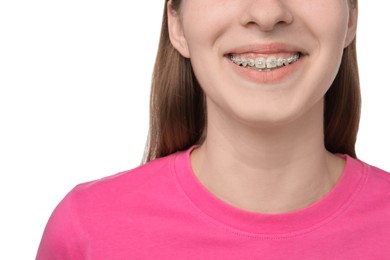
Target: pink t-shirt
x=161, y=211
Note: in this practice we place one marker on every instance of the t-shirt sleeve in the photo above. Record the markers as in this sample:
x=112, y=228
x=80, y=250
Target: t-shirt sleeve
x=63, y=237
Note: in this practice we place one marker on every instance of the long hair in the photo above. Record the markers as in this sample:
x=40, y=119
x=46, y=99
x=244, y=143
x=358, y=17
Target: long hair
x=178, y=108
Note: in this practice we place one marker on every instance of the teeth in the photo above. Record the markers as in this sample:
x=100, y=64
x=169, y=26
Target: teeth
x=281, y=62
x=271, y=62
x=260, y=63
x=264, y=64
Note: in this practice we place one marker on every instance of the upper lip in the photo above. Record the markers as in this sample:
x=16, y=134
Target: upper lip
x=269, y=48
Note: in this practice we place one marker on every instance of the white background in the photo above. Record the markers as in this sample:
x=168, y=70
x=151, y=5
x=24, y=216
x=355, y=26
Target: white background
x=74, y=89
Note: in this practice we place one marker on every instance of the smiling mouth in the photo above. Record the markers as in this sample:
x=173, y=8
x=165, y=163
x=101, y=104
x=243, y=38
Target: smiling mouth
x=268, y=63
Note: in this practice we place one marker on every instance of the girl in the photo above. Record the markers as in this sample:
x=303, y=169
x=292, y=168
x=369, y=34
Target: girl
x=254, y=114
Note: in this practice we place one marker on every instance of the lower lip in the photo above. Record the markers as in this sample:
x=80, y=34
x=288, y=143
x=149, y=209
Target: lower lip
x=267, y=77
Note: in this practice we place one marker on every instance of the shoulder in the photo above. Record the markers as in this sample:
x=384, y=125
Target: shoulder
x=88, y=205
x=375, y=191
x=124, y=187
x=126, y=180
x=378, y=179
x=372, y=175
x=375, y=175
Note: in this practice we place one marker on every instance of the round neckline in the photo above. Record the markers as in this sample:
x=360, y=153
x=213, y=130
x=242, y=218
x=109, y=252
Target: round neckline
x=270, y=225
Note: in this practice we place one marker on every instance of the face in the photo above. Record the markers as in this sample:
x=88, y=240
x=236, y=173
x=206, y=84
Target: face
x=263, y=61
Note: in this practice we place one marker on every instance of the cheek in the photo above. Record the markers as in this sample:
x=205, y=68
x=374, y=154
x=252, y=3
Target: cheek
x=205, y=21
x=326, y=20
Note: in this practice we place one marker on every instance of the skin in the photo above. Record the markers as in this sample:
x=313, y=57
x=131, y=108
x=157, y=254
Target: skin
x=264, y=151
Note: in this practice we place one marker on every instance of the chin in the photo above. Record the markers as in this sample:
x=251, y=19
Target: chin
x=279, y=116
x=267, y=119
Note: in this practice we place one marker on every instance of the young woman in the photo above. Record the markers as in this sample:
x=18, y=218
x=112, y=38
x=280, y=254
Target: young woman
x=254, y=113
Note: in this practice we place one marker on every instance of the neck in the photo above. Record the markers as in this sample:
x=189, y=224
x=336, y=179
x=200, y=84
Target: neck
x=268, y=170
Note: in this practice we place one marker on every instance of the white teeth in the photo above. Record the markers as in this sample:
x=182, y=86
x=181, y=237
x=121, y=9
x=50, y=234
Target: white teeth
x=260, y=63
x=264, y=64
x=280, y=62
x=271, y=62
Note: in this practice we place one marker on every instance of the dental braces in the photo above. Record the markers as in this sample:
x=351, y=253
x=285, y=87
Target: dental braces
x=264, y=64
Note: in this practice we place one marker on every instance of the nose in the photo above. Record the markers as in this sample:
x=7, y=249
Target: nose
x=266, y=14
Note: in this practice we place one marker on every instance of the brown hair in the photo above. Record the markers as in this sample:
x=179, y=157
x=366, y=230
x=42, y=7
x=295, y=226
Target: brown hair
x=178, y=109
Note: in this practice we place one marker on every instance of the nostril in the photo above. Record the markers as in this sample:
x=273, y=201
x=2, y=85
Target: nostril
x=267, y=15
